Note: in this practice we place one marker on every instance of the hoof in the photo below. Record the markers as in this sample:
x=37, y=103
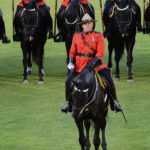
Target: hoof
x=25, y=81
x=117, y=79
x=130, y=81
x=40, y=82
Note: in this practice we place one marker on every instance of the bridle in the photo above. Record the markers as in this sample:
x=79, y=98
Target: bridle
x=33, y=26
x=121, y=22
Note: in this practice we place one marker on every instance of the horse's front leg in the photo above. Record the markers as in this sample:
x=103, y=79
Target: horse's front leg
x=96, y=139
x=40, y=65
x=104, y=144
x=130, y=46
x=25, y=61
x=87, y=127
x=68, y=46
x=117, y=71
x=110, y=48
x=82, y=139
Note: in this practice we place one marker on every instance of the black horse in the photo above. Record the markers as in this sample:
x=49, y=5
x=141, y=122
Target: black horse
x=73, y=15
x=33, y=38
x=147, y=19
x=122, y=33
x=89, y=102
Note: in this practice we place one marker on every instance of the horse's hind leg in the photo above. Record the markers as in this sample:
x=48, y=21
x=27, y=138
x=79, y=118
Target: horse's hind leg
x=104, y=144
x=87, y=127
x=96, y=139
x=25, y=66
x=40, y=65
x=118, y=54
x=129, y=46
x=82, y=139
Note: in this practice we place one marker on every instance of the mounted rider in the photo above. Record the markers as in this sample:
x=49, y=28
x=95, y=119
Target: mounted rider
x=61, y=13
x=43, y=9
x=3, y=36
x=88, y=50
x=106, y=13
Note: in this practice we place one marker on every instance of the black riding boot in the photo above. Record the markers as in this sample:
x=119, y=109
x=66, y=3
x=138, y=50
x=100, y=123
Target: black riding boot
x=136, y=7
x=68, y=107
x=113, y=100
x=3, y=36
x=50, y=27
x=107, y=30
x=5, y=39
x=107, y=24
x=17, y=36
x=60, y=16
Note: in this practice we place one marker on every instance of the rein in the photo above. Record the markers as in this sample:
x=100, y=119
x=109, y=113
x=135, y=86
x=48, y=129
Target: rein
x=91, y=101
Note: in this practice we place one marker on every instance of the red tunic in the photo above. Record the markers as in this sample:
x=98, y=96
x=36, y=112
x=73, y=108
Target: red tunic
x=66, y=2
x=95, y=40
x=40, y=3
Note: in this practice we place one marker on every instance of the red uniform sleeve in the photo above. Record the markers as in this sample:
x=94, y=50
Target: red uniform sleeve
x=100, y=47
x=73, y=49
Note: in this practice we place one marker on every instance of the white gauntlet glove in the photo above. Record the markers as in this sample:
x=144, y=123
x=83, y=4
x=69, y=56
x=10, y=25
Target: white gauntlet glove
x=71, y=66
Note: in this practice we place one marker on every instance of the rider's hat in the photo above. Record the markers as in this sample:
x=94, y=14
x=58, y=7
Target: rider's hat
x=86, y=18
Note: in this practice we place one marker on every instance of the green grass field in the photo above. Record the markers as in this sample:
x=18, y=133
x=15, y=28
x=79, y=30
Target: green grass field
x=30, y=117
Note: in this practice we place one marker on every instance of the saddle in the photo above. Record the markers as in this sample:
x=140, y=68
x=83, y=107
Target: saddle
x=102, y=81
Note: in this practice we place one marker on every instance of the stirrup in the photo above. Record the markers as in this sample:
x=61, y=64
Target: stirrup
x=5, y=40
x=106, y=34
x=51, y=35
x=59, y=38
x=16, y=38
x=139, y=28
x=65, y=109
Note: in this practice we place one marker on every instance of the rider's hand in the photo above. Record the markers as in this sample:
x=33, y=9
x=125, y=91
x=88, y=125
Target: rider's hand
x=90, y=66
x=71, y=66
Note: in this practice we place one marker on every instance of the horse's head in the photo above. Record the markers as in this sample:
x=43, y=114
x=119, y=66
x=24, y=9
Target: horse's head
x=72, y=16
x=29, y=20
x=123, y=15
x=72, y=12
x=84, y=88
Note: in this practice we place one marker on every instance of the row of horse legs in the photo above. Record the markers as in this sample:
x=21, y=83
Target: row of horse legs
x=118, y=54
x=85, y=141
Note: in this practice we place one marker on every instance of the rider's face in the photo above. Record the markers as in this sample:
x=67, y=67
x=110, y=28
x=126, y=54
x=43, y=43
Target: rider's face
x=87, y=27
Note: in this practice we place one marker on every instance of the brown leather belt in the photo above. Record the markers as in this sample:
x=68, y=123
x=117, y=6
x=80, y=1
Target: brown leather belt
x=85, y=55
